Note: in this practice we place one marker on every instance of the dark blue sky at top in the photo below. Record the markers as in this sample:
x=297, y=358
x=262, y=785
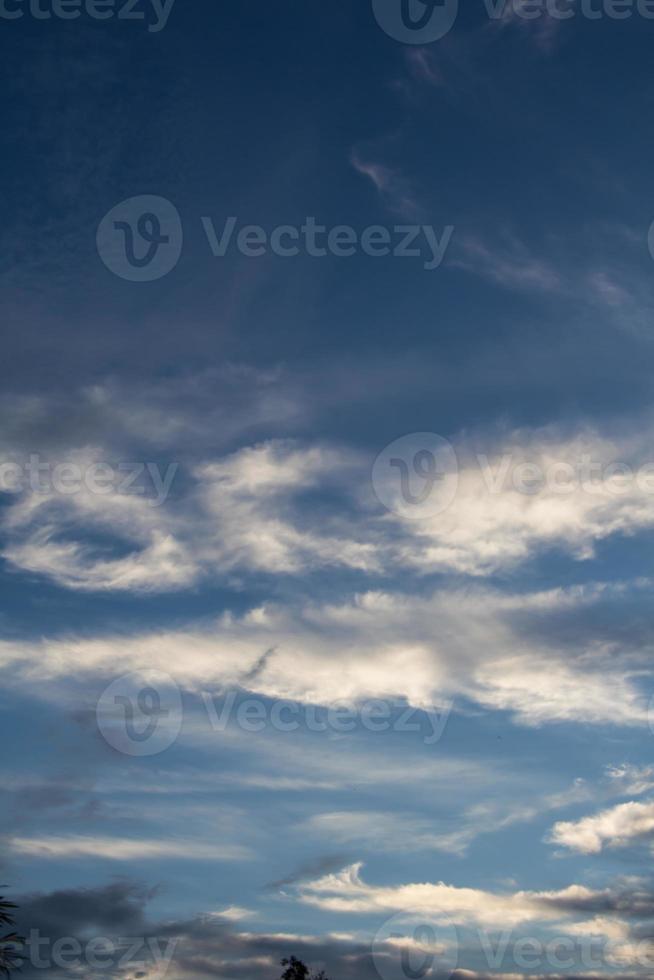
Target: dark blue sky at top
x=254, y=110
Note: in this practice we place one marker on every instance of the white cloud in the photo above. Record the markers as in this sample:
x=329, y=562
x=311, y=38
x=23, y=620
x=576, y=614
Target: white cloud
x=234, y=913
x=240, y=514
x=125, y=849
x=254, y=511
x=619, y=826
x=347, y=892
x=392, y=187
x=392, y=832
x=535, y=491
x=400, y=831
x=511, y=264
x=248, y=498
x=629, y=780
x=427, y=651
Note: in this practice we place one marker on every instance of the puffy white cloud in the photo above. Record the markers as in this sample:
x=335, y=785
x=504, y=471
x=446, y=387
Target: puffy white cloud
x=618, y=826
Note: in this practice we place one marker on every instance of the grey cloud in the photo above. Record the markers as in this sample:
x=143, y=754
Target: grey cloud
x=117, y=906
x=310, y=869
x=207, y=947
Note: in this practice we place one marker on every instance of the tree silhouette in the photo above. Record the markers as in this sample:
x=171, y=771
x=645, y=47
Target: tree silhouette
x=8, y=942
x=297, y=970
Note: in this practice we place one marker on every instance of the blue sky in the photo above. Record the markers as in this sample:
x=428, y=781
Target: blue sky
x=260, y=696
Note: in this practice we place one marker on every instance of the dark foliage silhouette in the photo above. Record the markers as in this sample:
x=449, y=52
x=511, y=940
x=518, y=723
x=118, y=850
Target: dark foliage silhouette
x=297, y=970
x=10, y=941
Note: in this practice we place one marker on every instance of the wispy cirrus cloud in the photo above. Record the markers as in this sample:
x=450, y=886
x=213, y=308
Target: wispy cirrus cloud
x=509, y=263
x=250, y=511
x=124, y=849
x=394, y=189
x=543, y=29
x=489, y=649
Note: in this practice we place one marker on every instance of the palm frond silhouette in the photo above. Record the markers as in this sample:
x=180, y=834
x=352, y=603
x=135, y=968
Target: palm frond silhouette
x=10, y=942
